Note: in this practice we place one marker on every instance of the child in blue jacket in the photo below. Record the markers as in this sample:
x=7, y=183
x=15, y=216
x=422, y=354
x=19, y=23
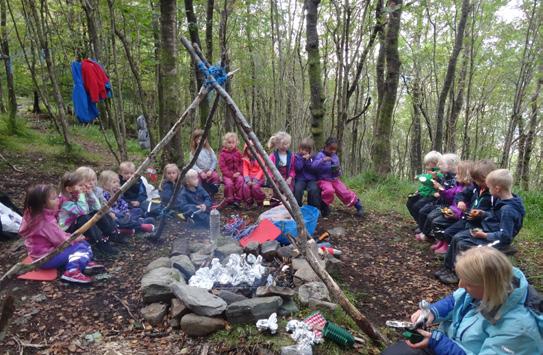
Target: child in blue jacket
x=136, y=195
x=167, y=187
x=195, y=201
x=495, y=311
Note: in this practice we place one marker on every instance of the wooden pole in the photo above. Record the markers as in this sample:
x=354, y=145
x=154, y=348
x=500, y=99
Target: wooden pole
x=21, y=268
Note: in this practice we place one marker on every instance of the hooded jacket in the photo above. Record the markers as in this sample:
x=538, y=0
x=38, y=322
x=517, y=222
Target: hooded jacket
x=504, y=220
x=166, y=193
x=206, y=161
x=326, y=170
x=190, y=198
x=41, y=233
x=464, y=330
x=304, y=168
x=136, y=192
x=230, y=162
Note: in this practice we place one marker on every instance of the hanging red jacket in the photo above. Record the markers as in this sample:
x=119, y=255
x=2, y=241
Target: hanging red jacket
x=94, y=80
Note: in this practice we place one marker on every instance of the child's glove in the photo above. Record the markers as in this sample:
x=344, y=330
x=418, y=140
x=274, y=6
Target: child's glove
x=247, y=179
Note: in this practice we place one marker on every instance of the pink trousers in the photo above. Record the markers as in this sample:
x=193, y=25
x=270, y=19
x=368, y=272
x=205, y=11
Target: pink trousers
x=253, y=192
x=329, y=188
x=233, y=188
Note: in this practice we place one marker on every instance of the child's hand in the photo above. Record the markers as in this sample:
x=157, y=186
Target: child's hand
x=289, y=180
x=421, y=344
x=208, y=173
x=437, y=185
x=474, y=214
x=79, y=239
x=327, y=158
x=202, y=207
x=236, y=175
x=112, y=215
x=462, y=206
x=478, y=233
x=135, y=203
x=436, y=194
x=415, y=316
x=306, y=156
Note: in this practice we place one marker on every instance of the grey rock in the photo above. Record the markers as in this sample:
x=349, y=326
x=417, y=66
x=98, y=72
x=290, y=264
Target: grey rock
x=224, y=250
x=178, y=308
x=253, y=309
x=305, y=275
x=230, y=297
x=197, y=246
x=337, y=232
x=284, y=292
x=195, y=325
x=155, y=285
x=252, y=248
x=333, y=265
x=154, y=313
x=160, y=262
x=288, y=308
x=287, y=252
x=184, y=265
x=198, y=259
x=180, y=247
x=199, y=300
x=296, y=350
x=315, y=290
x=175, y=323
x=268, y=250
x=223, y=240
x=313, y=303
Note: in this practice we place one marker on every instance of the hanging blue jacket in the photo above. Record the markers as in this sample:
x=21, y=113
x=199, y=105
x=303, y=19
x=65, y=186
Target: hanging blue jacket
x=464, y=330
x=85, y=110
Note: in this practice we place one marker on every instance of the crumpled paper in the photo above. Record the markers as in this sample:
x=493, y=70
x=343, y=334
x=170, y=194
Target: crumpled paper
x=268, y=324
x=239, y=269
x=302, y=334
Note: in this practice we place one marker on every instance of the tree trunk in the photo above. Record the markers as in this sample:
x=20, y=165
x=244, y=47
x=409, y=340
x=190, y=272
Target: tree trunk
x=449, y=76
x=314, y=72
x=168, y=78
x=12, y=122
x=192, y=24
x=209, y=30
x=229, y=124
x=381, y=151
x=450, y=136
x=36, y=103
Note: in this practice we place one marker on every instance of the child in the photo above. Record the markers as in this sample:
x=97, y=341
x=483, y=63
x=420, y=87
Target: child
x=253, y=176
x=42, y=234
x=305, y=178
x=195, y=201
x=230, y=162
x=445, y=182
x=479, y=200
x=326, y=164
x=136, y=195
x=282, y=157
x=425, y=193
x=167, y=186
x=206, y=164
x=128, y=220
x=74, y=212
x=93, y=192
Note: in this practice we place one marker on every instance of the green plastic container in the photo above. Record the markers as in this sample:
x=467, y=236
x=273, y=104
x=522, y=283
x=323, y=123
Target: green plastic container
x=338, y=335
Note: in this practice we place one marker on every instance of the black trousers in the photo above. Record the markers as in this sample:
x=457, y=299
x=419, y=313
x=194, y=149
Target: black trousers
x=415, y=203
x=104, y=228
x=401, y=348
x=313, y=192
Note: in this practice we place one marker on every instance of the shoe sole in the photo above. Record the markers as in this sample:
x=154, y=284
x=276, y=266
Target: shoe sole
x=69, y=279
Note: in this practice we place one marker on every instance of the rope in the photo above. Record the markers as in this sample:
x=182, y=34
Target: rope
x=214, y=73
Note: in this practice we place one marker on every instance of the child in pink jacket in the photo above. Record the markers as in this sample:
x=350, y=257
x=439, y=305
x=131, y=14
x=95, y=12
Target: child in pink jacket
x=42, y=234
x=230, y=162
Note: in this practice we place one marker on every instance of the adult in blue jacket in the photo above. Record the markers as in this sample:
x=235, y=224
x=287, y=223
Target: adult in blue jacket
x=493, y=312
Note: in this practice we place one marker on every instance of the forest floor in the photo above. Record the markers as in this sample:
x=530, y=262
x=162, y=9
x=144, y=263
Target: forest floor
x=385, y=273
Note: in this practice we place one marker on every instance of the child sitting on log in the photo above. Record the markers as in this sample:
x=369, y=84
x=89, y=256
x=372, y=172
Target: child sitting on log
x=42, y=235
x=305, y=175
x=206, y=163
x=253, y=176
x=327, y=167
x=230, y=162
x=194, y=200
x=136, y=195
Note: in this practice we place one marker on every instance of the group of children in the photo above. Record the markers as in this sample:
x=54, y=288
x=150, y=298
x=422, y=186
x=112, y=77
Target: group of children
x=50, y=216
x=464, y=204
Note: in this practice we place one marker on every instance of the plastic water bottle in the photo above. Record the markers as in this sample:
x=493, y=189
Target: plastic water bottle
x=214, y=224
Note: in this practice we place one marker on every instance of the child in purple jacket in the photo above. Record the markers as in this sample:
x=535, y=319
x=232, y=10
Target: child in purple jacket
x=326, y=166
x=305, y=178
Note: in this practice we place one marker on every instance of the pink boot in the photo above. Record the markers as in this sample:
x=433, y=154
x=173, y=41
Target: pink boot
x=420, y=237
x=442, y=249
x=436, y=245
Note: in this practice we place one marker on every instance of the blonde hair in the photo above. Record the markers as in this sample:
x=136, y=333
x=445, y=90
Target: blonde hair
x=278, y=138
x=462, y=172
x=198, y=133
x=106, y=177
x=86, y=172
x=190, y=173
x=166, y=168
x=450, y=160
x=490, y=269
x=127, y=165
x=501, y=178
x=432, y=157
x=229, y=136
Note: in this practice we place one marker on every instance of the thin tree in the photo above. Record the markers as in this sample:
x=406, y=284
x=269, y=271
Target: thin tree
x=8, y=65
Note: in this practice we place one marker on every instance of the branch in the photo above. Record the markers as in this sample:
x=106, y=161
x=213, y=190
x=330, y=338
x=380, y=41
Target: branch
x=11, y=165
x=366, y=106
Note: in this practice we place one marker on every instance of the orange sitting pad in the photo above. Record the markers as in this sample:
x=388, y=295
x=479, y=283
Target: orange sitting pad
x=39, y=274
x=265, y=231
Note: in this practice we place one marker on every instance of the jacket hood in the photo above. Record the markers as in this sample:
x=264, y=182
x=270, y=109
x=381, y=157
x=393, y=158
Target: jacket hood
x=524, y=294
x=31, y=224
x=515, y=202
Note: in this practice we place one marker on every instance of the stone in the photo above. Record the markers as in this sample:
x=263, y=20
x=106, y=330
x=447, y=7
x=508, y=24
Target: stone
x=315, y=290
x=286, y=252
x=224, y=250
x=160, y=262
x=313, y=303
x=175, y=323
x=199, y=300
x=252, y=248
x=268, y=250
x=177, y=309
x=154, y=313
x=230, y=297
x=304, y=275
x=288, y=308
x=337, y=232
x=253, y=309
x=296, y=350
x=333, y=265
x=199, y=326
x=184, y=265
x=198, y=259
x=284, y=292
x=223, y=240
x=155, y=284
x=180, y=247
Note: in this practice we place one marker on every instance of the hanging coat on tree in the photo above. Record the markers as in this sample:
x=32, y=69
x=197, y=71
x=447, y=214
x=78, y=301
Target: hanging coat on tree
x=85, y=110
